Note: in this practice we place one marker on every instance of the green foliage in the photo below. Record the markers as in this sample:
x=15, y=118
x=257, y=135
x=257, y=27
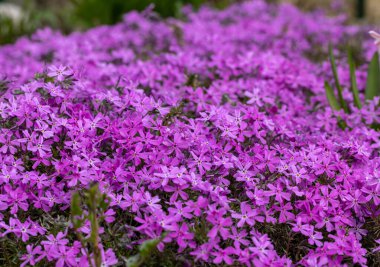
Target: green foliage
x=145, y=251
x=373, y=78
x=372, y=87
x=90, y=13
x=70, y=15
x=354, y=85
x=7, y=30
x=95, y=204
x=34, y=17
x=3, y=85
x=342, y=103
x=331, y=97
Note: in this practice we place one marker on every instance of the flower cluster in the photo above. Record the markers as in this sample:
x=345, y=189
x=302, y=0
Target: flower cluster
x=214, y=130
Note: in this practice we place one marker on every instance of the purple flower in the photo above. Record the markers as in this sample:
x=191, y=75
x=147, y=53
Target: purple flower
x=59, y=72
x=221, y=226
x=223, y=255
x=33, y=255
x=53, y=243
x=213, y=133
x=247, y=215
x=315, y=237
x=65, y=256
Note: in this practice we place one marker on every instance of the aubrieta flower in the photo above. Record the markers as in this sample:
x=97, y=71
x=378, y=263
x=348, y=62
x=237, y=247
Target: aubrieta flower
x=212, y=133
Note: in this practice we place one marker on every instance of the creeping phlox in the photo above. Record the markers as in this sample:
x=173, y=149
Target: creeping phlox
x=212, y=132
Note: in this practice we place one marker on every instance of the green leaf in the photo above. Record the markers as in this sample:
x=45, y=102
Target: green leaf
x=76, y=209
x=336, y=78
x=354, y=85
x=148, y=246
x=94, y=190
x=331, y=97
x=134, y=261
x=341, y=123
x=145, y=251
x=373, y=78
x=18, y=92
x=78, y=223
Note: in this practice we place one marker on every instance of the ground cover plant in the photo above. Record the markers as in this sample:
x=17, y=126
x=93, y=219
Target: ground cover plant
x=196, y=142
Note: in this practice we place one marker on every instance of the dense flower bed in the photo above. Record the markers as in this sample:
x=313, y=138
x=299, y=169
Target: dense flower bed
x=214, y=130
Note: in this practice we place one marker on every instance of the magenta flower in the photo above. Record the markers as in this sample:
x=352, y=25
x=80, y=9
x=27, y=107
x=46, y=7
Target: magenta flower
x=212, y=133
x=33, y=255
x=9, y=228
x=355, y=200
x=41, y=147
x=279, y=194
x=65, y=256
x=221, y=226
x=24, y=230
x=202, y=252
x=315, y=237
x=152, y=201
x=53, y=89
x=8, y=144
x=183, y=237
x=59, y=72
x=302, y=227
x=247, y=215
x=54, y=242
x=224, y=255
x=201, y=162
x=109, y=258
x=239, y=238
x=17, y=199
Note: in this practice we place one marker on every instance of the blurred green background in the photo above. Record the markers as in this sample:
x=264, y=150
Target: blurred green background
x=23, y=17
